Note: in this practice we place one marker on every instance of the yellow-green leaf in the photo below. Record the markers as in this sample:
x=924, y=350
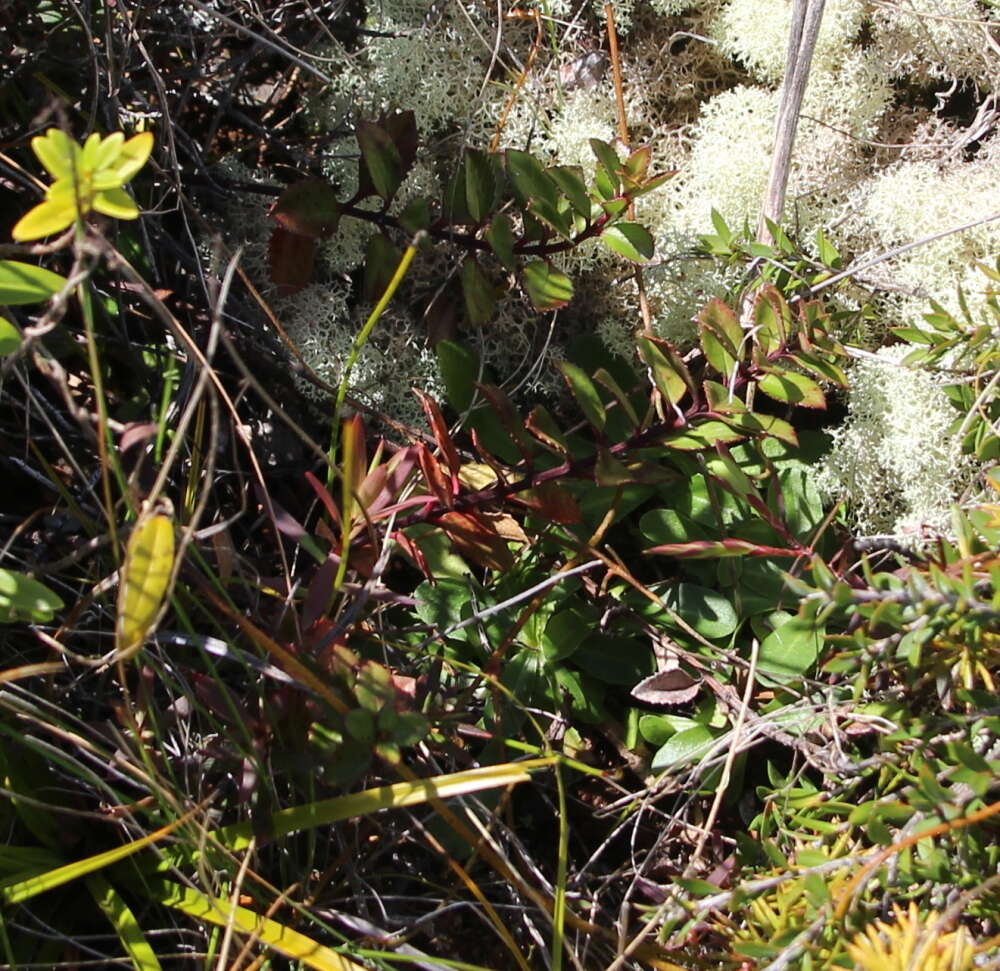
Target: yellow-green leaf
x=117, y=203
x=91, y=149
x=107, y=151
x=239, y=836
x=793, y=388
x=630, y=240
x=57, y=152
x=133, y=155
x=548, y=288
x=149, y=563
x=46, y=219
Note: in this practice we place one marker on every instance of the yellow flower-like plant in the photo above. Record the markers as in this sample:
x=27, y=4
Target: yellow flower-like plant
x=913, y=943
x=87, y=177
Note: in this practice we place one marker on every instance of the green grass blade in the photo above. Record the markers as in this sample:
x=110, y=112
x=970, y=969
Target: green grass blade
x=17, y=891
x=238, y=837
x=123, y=920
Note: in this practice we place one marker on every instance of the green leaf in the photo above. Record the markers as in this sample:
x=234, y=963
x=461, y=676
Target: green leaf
x=636, y=165
x=145, y=580
x=380, y=157
x=604, y=377
x=609, y=162
x=27, y=283
x=790, y=650
x=459, y=369
x=302, y=951
x=585, y=393
x=23, y=599
x=683, y=748
x=410, y=728
x=360, y=724
x=771, y=319
x=825, y=370
x=416, y=216
x=793, y=388
x=126, y=925
x=481, y=194
x=827, y=252
x=702, y=436
x=669, y=372
x=664, y=526
x=500, y=236
x=721, y=336
x=615, y=207
x=629, y=240
x=708, y=612
x=614, y=660
x=565, y=631
x=530, y=180
x=560, y=220
x=547, y=287
x=570, y=180
x=542, y=425
x=757, y=424
x=57, y=152
x=652, y=183
x=132, y=156
x=10, y=337
x=480, y=295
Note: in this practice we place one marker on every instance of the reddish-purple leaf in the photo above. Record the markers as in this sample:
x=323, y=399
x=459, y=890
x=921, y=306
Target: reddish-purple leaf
x=440, y=429
x=291, y=257
x=474, y=539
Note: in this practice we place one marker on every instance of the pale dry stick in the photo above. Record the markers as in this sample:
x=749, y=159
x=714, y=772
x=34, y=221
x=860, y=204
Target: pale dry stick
x=510, y=602
x=494, y=48
x=978, y=407
x=523, y=77
x=792, y=951
x=898, y=251
x=806, y=18
x=234, y=899
x=727, y=767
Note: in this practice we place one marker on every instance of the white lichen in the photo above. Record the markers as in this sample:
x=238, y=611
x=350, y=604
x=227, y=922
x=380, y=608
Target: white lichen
x=895, y=461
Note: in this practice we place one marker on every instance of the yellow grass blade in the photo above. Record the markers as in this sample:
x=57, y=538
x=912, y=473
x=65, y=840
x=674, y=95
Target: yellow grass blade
x=13, y=892
x=276, y=936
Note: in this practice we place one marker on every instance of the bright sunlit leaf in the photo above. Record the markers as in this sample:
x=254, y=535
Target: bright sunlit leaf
x=149, y=563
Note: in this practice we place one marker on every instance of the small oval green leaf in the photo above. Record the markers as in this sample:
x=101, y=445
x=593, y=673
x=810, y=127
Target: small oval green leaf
x=547, y=287
x=585, y=393
x=630, y=240
x=26, y=283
